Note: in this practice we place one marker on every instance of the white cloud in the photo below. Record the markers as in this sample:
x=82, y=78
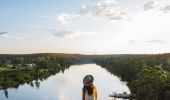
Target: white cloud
x=4, y=34
x=102, y=9
x=131, y=41
x=106, y=8
x=157, y=41
x=151, y=5
x=166, y=9
x=13, y=37
x=154, y=5
x=44, y=16
x=64, y=16
x=108, y=1
x=148, y=27
x=68, y=33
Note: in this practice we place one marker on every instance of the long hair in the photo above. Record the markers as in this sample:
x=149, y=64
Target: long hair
x=89, y=89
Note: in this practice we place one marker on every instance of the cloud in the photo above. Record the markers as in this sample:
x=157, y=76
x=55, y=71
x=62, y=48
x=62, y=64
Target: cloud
x=4, y=34
x=12, y=37
x=102, y=9
x=157, y=6
x=68, y=33
x=157, y=41
x=131, y=41
x=151, y=5
x=166, y=9
x=106, y=8
x=64, y=16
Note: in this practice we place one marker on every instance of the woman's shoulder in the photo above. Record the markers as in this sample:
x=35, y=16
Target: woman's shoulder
x=94, y=85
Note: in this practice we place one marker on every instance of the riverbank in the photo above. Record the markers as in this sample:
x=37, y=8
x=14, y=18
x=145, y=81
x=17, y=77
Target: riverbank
x=129, y=68
x=14, y=77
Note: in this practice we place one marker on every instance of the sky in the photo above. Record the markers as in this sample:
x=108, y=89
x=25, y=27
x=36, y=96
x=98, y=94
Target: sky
x=85, y=26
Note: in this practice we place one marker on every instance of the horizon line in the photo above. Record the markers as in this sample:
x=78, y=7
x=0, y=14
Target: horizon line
x=84, y=53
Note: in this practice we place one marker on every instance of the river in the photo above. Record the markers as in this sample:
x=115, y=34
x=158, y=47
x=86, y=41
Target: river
x=68, y=85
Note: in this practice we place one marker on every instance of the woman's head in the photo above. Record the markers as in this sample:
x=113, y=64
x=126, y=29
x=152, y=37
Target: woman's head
x=88, y=84
x=88, y=80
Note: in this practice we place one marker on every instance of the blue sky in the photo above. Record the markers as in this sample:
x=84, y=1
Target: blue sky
x=85, y=26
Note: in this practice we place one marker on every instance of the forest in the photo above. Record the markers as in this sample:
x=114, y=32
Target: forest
x=148, y=75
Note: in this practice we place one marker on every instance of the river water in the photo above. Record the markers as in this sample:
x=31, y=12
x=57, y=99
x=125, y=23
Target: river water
x=68, y=85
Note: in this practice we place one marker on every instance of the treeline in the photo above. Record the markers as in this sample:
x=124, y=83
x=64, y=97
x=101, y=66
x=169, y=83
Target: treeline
x=20, y=69
x=43, y=60
x=148, y=76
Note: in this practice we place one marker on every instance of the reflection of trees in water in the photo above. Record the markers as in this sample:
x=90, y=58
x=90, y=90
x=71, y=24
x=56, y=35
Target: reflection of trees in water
x=31, y=84
x=6, y=93
x=16, y=86
x=31, y=78
x=4, y=88
x=37, y=84
x=45, y=66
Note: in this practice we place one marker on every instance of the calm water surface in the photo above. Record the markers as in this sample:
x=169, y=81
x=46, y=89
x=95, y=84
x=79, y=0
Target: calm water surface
x=68, y=85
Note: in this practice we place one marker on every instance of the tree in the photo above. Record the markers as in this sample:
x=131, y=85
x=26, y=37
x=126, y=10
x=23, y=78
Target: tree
x=19, y=61
x=41, y=62
x=5, y=62
x=166, y=90
x=150, y=82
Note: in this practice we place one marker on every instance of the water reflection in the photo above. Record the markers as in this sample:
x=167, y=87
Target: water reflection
x=67, y=85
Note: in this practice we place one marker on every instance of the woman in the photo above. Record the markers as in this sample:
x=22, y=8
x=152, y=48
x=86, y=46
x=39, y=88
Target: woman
x=89, y=91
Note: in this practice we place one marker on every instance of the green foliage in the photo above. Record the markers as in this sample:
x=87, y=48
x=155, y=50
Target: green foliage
x=127, y=68
x=5, y=62
x=19, y=61
x=149, y=82
x=41, y=62
x=46, y=65
x=167, y=95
